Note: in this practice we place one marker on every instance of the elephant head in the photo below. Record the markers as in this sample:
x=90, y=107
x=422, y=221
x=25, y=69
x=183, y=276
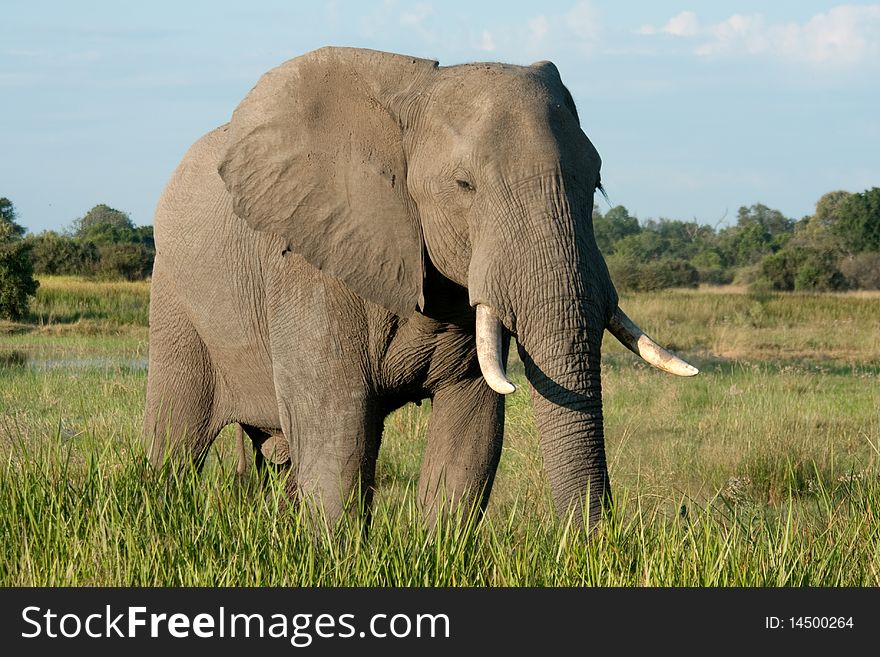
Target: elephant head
x=375, y=166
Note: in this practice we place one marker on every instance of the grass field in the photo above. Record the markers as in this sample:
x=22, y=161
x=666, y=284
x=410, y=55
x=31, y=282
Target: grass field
x=762, y=471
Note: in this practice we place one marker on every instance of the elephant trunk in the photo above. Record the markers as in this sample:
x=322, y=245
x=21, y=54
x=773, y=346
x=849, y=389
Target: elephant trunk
x=548, y=284
x=562, y=364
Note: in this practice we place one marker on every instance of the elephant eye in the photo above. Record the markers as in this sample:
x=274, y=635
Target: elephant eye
x=465, y=185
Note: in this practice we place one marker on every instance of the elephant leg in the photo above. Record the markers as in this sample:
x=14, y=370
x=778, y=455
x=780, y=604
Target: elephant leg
x=180, y=421
x=464, y=446
x=333, y=445
x=241, y=457
x=269, y=450
x=333, y=457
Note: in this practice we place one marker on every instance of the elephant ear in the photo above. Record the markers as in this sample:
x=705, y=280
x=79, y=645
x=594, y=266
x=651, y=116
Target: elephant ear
x=315, y=155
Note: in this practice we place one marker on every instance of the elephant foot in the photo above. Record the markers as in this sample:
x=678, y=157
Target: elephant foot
x=276, y=450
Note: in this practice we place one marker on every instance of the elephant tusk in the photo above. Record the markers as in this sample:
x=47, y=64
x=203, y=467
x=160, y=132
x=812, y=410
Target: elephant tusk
x=489, y=350
x=634, y=339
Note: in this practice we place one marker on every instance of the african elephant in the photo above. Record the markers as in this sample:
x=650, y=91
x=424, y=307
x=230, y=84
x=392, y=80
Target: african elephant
x=267, y=448
x=370, y=229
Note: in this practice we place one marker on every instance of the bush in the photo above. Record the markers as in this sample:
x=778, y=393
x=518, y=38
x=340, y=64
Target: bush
x=624, y=272
x=56, y=254
x=628, y=274
x=710, y=267
x=662, y=274
x=714, y=275
x=125, y=260
x=802, y=269
x=749, y=275
x=862, y=270
x=17, y=281
x=777, y=271
x=818, y=272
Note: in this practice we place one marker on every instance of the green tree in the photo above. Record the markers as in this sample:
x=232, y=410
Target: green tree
x=802, y=269
x=110, y=245
x=819, y=272
x=828, y=209
x=17, y=281
x=130, y=261
x=9, y=229
x=817, y=230
x=612, y=227
x=709, y=263
x=56, y=254
x=862, y=270
x=666, y=273
x=105, y=225
x=760, y=231
x=858, y=222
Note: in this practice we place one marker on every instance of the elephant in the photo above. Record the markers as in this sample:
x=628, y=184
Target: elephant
x=270, y=448
x=371, y=229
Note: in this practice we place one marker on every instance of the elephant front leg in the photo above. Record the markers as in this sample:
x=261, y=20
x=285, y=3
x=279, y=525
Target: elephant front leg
x=464, y=446
x=333, y=444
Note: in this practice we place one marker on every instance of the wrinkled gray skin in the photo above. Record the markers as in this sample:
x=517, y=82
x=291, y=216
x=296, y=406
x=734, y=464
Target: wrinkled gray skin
x=319, y=259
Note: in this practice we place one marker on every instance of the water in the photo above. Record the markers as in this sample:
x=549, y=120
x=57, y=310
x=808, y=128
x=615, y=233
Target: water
x=18, y=359
x=95, y=362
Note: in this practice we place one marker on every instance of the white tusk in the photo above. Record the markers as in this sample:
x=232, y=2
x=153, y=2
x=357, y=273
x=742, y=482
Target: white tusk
x=634, y=339
x=489, y=350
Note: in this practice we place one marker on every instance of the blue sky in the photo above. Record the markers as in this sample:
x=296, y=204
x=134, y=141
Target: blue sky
x=696, y=107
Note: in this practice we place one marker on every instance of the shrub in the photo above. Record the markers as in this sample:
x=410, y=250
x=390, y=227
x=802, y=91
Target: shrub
x=624, y=272
x=862, y=270
x=125, y=260
x=662, y=274
x=777, y=271
x=802, y=269
x=17, y=281
x=818, y=272
x=628, y=273
x=710, y=267
x=56, y=254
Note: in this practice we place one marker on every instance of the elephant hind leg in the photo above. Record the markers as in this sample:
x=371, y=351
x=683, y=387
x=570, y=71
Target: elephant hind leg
x=269, y=449
x=180, y=420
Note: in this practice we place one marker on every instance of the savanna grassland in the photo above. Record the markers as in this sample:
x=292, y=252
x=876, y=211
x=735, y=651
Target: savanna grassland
x=761, y=471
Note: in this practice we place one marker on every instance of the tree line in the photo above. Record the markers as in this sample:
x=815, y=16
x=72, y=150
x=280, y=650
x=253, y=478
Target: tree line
x=104, y=243
x=836, y=248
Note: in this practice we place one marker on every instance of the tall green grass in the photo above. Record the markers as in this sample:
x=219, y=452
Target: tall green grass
x=93, y=525
x=761, y=471
x=92, y=305
x=813, y=327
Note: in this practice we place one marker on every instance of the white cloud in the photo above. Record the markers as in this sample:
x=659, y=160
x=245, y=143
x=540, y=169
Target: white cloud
x=736, y=34
x=420, y=22
x=685, y=24
x=578, y=27
x=487, y=42
x=417, y=16
x=844, y=35
x=583, y=22
x=538, y=29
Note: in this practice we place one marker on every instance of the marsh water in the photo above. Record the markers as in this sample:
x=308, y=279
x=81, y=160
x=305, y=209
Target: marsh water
x=20, y=359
